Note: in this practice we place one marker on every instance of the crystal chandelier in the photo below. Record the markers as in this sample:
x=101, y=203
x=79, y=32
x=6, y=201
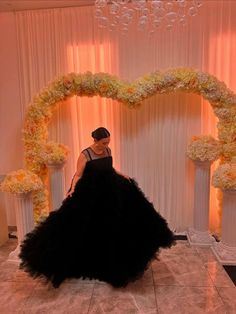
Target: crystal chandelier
x=148, y=15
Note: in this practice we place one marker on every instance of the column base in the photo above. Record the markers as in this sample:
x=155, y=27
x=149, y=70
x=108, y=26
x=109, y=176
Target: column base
x=200, y=238
x=226, y=255
x=13, y=256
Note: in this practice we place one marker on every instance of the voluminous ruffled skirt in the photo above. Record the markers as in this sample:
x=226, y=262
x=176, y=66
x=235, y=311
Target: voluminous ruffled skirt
x=107, y=230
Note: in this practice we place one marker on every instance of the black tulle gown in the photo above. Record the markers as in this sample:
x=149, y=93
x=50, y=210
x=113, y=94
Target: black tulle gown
x=107, y=230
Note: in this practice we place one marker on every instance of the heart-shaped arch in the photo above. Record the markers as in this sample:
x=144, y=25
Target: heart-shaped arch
x=40, y=110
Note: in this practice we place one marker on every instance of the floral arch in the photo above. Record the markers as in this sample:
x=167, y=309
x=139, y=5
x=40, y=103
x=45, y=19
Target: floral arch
x=38, y=151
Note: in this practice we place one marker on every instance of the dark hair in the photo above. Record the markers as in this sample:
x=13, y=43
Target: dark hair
x=100, y=133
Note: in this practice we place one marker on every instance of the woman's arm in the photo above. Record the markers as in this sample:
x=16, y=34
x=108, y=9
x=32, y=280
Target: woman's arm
x=81, y=162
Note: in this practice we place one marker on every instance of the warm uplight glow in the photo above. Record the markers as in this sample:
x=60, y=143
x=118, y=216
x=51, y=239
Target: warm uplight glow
x=90, y=113
x=221, y=45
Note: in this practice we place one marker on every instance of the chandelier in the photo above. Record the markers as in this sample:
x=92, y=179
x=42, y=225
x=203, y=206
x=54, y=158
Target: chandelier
x=148, y=15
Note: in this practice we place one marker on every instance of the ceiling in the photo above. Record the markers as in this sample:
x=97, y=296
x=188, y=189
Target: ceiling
x=18, y=5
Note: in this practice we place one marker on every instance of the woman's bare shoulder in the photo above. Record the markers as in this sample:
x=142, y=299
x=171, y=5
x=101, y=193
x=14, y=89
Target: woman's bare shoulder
x=84, y=155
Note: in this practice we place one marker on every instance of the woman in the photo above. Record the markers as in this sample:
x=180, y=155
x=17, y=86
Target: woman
x=105, y=229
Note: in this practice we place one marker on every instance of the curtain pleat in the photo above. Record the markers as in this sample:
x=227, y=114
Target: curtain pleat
x=148, y=143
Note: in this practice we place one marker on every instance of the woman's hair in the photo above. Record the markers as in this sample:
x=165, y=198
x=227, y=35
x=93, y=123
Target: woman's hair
x=100, y=133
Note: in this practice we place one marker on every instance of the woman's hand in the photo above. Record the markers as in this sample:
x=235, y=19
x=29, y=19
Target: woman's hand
x=123, y=175
x=69, y=194
x=127, y=177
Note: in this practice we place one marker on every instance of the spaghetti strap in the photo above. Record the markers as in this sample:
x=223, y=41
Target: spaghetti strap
x=87, y=150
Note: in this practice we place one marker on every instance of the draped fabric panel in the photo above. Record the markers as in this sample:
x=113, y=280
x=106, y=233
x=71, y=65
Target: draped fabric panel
x=220, y=40
x=148, y=143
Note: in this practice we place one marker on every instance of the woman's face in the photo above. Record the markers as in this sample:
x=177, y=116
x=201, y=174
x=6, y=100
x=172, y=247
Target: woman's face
x=103, y=143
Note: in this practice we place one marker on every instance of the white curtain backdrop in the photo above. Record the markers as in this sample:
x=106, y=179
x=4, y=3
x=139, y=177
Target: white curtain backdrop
x=220, y=40
x=148, y=143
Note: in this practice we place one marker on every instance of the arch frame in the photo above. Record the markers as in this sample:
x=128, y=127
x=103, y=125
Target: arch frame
x=40, y=110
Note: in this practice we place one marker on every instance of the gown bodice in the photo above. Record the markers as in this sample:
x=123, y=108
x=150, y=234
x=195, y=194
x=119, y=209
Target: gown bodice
x=97, y=163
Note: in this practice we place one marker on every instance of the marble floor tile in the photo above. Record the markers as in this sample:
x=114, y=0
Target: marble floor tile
x=206, y=254
x=6, y=249
x=68, y=298
x=11, y=272
x=181, y=248
x=183, y=270
x=228, y=296
x=182, y=279
x=20, y=275
x=2, y=260
x=13, y=295
x=146, y=279
x=9, y=246
x=218, y=274
x=129, y=300
x=7, y=271
x=186, y=300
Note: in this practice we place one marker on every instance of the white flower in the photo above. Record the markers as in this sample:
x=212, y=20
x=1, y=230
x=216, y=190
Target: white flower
x=204, y=148
x=225, y=176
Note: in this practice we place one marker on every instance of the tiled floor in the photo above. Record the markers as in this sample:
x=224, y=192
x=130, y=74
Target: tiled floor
x=184, y=280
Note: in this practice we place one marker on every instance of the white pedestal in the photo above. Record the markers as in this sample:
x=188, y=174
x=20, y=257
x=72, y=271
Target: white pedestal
x=57, y=184
x=199, y=238
x=24, y=221
x=225, y=250
x=199, y=234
